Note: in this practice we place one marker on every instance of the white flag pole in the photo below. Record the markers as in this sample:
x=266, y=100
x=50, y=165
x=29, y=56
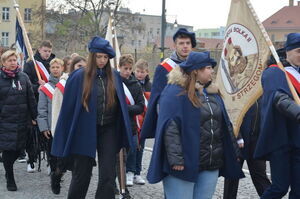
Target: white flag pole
x=273, y=51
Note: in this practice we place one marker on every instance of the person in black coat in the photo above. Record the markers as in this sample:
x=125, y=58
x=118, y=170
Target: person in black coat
x=43, y=55
x=17, y=103
x=247, y=140
x=135, y=101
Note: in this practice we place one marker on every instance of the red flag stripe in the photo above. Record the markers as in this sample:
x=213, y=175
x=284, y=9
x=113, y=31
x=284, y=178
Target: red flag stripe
x=48, y=90
x=168, y=64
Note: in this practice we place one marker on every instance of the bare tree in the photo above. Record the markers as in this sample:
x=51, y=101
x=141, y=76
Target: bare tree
x=74, y=22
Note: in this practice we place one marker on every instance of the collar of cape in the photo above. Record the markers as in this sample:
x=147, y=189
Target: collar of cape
x=294, y=76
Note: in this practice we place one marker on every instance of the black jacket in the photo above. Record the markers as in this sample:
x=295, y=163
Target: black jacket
x=17, y=107
x=211, y=144
x=136, y=91
x=146, y=85
x=30, y=71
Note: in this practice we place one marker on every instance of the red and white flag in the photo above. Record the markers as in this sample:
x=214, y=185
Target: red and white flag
x=43, y=71
x=61, y=85
x=168, y=64
x=48, y=90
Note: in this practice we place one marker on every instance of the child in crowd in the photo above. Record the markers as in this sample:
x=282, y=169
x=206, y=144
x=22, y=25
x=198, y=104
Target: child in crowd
x=45, y=116
x=134, y=170
x=135, y=101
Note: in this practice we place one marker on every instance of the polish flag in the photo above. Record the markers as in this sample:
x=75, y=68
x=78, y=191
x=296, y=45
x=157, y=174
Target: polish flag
x=294, y=77
x=43, y=71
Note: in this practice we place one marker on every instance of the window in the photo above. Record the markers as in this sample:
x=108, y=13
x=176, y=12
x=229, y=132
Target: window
x=140, y=42
x=140, y=19
x=4, y=39
x=132, y=42
x=5, y=14
x=158, y=30
x=132, y=31
x=151, y=30
x=215, y=34
x=27, y=14
x=272, y=37
x=206, y=34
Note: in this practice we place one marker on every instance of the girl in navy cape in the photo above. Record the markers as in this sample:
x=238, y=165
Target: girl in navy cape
x=194, y=139
x=93, y=116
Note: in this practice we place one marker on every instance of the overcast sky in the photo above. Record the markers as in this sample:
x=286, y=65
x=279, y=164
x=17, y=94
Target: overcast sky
x=202, y=13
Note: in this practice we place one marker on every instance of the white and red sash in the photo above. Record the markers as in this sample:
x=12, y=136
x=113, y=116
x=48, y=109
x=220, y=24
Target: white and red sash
x=48, y=90
x=43, y=71
x=61, y=85
x=294, y=76
x=168, y=64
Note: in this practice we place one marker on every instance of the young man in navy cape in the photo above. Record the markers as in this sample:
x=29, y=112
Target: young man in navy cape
x=279, y=140
x=184, y=42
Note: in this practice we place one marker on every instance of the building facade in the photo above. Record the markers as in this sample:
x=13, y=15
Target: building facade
x=32, y=14
x=211, y=33
x=283, y=22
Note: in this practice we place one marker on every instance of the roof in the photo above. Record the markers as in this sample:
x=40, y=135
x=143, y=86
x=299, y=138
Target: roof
x=210, y=43
x=287, y=17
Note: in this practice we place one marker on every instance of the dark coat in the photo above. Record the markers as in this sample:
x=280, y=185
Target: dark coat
x=160, y=80
x=146, y=85
x=30, y=71
x=181, y=110
x=76, y=129
x=276, y=130
x=139, y=102
x=188, y=118
x=17, y=108
x=249, y=130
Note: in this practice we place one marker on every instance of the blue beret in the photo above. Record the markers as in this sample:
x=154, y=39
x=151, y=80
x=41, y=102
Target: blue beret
x=183, y=31
x=100, y=45
x=197, y=60
x=292, y=42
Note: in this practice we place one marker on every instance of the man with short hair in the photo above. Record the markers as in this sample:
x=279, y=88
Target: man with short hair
x=184, y=41
x=43, y=55
x=279, y=139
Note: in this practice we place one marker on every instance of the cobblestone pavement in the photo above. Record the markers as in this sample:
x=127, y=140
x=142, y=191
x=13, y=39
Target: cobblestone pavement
x=36, y=185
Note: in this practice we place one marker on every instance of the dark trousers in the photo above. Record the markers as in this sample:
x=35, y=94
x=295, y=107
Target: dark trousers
x=257, y=169
x=9, y=158
x=83, y=165
x=285, y=172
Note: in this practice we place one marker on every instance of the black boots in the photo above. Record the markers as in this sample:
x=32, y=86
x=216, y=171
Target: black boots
x=10, y=182
x=55, y=182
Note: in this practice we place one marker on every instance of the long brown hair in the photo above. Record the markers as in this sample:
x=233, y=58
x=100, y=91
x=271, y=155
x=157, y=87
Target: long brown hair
x=89, y=78
x=190, y=87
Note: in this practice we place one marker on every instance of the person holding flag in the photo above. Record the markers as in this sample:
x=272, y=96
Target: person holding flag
x=184, y=41
x=94, y=117
x=43, y=57
x=279, y=140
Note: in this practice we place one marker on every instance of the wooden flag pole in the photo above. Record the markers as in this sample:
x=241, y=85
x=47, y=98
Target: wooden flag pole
x=26, y=39
x=273, y=51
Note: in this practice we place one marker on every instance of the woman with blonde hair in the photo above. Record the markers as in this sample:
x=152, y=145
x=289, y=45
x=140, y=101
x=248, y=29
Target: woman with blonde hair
x=17, y=109
x=194, y=142
x=93, y=117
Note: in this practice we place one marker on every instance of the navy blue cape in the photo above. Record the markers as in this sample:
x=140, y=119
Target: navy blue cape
x=160, y=80
x=275, y=127
x=76, y=129
x=179, y=108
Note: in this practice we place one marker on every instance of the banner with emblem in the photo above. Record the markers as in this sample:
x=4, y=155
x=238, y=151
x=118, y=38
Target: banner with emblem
x=243, y=59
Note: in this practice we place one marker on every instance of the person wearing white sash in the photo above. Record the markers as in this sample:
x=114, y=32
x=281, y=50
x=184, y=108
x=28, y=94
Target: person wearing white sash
x=45, y=116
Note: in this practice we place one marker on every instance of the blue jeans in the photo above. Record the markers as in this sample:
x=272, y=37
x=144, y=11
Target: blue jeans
x=134, y=157
x=204, y=187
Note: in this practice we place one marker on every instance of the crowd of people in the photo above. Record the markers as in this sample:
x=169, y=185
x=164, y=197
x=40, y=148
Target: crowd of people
x=83, y=108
